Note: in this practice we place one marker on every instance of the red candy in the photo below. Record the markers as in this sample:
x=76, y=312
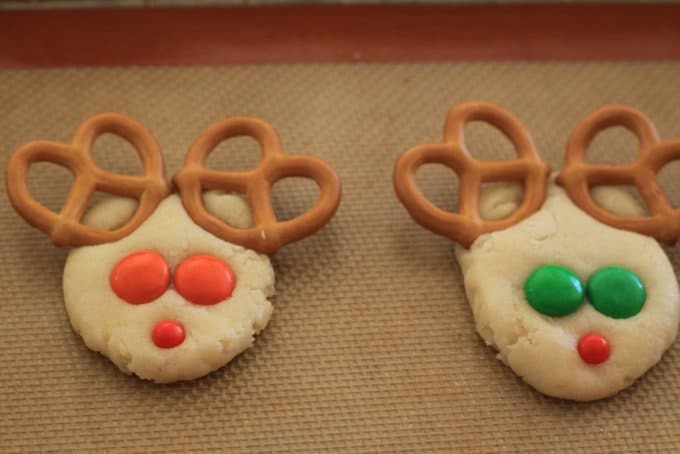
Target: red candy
x=593, y=348
x=140, y=277
x=204, y=280
x=168, y=334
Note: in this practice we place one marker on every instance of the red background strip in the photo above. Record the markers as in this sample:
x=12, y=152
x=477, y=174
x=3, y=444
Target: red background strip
x=171, y=36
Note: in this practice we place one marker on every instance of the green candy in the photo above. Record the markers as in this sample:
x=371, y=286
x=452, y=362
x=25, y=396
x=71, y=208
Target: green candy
x=616, y=292
x=554, y=290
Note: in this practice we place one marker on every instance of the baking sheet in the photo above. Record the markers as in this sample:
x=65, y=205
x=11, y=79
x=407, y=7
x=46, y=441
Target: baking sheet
x=372, y=345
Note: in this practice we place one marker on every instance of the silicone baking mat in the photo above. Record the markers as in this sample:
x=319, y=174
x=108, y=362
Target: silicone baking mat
x=372, y=345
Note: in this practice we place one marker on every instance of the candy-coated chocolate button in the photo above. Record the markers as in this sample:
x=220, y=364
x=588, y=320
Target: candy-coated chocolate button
x=554, y=290
x=616, y=292
x=168, y=334
x=593, y=348
x=140, y=277
x=204, y=280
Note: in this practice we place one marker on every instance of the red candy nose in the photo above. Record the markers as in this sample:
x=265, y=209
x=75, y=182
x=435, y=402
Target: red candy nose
x=593, y=348
x=168, y=334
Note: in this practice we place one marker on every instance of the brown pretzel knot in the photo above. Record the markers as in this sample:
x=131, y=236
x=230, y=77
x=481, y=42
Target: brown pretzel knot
x=267, y=235
x=578, y=176
x=466, y=225
x=64, y=227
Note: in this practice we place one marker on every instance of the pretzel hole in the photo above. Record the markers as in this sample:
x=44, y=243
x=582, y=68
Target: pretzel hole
x=486, y=142
x=230, y=208
x=238, y=153
x=50, y=184
x=669, y=179
x=439, y=185
x=613, y=145
x=114, y=153
x=293, y=196
x=109, y=212
x=622, y=200
x=498, y=200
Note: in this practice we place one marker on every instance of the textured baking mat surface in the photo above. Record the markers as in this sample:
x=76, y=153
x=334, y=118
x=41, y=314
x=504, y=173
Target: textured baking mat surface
x=372, y=346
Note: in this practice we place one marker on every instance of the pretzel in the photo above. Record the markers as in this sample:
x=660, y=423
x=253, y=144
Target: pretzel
x=466, y=225
x=268, y=234
x=578, y=176
x=64, y=227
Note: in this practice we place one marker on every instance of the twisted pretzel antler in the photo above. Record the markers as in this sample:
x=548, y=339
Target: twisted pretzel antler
x=577, y=176
x=64, y=227
x=268, y=234
x=465, y=226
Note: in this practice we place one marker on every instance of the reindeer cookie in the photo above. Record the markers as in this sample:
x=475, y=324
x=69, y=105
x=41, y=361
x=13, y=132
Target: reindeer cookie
x=164, y=287
x=578, y=300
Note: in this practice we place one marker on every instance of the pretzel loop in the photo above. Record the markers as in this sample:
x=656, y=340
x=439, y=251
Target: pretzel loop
x=268, y=234
x=578, y=176
x=64, y=227
x=467, y=225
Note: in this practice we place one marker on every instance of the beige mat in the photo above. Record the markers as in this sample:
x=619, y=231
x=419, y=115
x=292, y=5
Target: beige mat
x=372, y=346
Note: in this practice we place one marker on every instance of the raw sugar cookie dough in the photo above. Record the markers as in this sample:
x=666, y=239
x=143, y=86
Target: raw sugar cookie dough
x=567, y=283
x=543, y=349
x=170, y=286
x=127, y=333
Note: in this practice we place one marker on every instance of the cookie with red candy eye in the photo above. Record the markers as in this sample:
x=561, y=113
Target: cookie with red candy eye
x=180, y=301
x=577, y=297
x=170, y=286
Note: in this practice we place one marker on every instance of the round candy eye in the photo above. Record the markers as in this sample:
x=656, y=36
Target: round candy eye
x=554, y=290
x=204, y=280
x=616, y=292
x=140, y=277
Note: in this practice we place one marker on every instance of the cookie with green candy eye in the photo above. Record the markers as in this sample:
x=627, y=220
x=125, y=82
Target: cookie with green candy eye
x=567, y=282
x=571, y=305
